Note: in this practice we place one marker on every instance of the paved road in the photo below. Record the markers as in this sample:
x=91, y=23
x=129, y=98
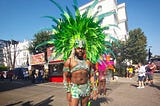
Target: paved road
x=121, y=92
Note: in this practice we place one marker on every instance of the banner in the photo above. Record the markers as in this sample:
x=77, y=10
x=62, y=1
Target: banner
x=51, y=55
x=38, y=59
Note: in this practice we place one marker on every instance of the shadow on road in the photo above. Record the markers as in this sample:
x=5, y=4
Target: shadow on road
x=14, y=104
x=9, y=85
x=134, y=85
x=29, y=103
x=155, y=86
x=101, y=100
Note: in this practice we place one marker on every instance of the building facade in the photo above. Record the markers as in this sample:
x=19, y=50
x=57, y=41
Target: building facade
x=119, y=19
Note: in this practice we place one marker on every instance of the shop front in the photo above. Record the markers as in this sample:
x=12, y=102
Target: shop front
x=55, y=66
x=55, y=71
x=37, y=62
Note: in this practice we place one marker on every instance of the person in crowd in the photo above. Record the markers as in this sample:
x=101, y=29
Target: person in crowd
x=127, y=72
x=141, y=75
x=34, y=76
x=130, y=71
x=2, y=76
x=40, y=75
x=10, y=75
x=147, y=76
x=150, y=68
x=102, y=78
x=109, y=74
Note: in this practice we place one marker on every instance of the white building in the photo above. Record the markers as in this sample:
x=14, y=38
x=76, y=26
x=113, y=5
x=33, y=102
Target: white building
x=119, y=19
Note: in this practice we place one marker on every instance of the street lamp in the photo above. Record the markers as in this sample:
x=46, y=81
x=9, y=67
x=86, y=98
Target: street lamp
x=149, y=53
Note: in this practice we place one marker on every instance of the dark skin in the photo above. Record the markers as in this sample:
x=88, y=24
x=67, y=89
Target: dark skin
x=78, y=76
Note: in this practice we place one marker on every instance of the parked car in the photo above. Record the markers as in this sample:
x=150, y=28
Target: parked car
x=18, y=72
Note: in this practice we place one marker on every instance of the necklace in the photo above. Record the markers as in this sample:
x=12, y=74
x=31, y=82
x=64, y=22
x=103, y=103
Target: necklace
x=81, y=64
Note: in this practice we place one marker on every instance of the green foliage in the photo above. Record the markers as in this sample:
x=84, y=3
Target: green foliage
x=3, y=68
x=39, y=38
x=136, y=46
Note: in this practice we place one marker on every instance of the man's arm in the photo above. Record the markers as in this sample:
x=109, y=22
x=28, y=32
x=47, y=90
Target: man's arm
x=93, y=81
x=153, y=67
x=66, y=70
x=65, y=75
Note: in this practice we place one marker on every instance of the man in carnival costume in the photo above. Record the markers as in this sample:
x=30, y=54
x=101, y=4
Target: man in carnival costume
x=76, y=36
x=103, y=65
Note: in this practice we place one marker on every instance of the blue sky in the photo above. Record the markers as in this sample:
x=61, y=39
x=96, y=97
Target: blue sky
x=21, y=19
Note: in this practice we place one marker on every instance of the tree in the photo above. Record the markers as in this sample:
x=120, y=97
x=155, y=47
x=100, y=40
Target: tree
x=136, y=46
x=3, y=68
x=10, y=53
x=38, y=39
x=133, y=49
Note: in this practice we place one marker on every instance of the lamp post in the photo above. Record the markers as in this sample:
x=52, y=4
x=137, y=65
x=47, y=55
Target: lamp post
x=149, y=53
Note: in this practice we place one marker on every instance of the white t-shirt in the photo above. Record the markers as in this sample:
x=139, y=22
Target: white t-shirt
x=141, y=71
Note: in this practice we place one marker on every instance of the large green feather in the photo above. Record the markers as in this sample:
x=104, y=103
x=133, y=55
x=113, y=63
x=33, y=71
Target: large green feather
x=60, y=8
x=81, y=27
x=53, y=19
x=44, y=43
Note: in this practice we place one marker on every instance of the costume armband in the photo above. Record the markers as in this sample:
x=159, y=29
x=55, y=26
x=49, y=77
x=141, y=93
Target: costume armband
x=92, y=71
x=67, y=86
x=65, y=69
x=94, y=88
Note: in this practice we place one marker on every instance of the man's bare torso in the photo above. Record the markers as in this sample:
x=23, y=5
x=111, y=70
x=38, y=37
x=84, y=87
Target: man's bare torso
x=79, y=76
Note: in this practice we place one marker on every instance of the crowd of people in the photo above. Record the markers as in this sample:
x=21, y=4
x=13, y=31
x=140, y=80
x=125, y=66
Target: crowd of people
x=37, y=76
x=145, y=74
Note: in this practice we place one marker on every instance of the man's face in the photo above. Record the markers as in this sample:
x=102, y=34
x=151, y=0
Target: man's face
x=79, y=52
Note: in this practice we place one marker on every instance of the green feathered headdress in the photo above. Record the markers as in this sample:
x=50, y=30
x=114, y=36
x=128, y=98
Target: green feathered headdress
x=79, y=27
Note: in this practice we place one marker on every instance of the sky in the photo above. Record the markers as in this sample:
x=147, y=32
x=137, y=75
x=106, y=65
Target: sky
x=21, y=19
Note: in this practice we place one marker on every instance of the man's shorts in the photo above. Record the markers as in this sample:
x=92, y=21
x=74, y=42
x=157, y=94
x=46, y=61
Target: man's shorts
x=78, y=91
x=150, y=76
x=140, y=78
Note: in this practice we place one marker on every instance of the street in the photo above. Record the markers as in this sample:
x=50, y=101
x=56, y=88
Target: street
x=121, y=92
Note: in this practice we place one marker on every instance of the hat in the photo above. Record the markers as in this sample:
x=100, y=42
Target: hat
x=81, y=30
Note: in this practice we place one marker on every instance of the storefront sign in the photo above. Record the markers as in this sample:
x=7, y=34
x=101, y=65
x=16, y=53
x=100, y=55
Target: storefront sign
x=38, y=59
x=51, y=56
